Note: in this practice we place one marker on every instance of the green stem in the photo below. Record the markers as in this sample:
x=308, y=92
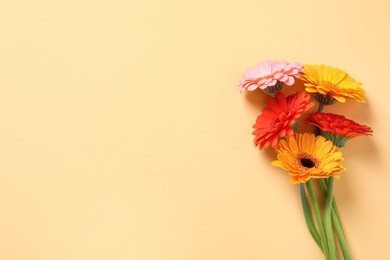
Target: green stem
x=324, y=188
x=328, y=220
x=320, y=107
x=308, y=217
x=318, y=217
x=340, y=235
x=337, y=223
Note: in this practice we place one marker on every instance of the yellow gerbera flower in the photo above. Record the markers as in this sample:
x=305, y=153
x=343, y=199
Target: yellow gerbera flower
x=306, y=156
x=330, y=81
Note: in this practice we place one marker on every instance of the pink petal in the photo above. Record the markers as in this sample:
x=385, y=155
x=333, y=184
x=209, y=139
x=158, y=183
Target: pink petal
x=290, y=81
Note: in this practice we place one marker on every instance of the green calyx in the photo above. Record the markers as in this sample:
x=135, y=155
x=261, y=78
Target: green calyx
x=325, y=100
x=274, y=90
x=338, y=140
x=295, y=127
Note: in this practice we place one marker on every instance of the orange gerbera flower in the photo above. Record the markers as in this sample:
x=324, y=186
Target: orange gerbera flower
x=337, y=128
x=306, y=156
x=277, y=120
x=332, y=82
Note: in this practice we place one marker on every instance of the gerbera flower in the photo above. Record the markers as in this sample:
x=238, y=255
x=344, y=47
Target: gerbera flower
x=337, y=128
x=270, y=74
x=306, y=156
x=277, y=120
x=332, y=82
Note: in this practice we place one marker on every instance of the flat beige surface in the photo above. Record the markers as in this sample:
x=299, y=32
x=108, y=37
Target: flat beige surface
x=123, y=135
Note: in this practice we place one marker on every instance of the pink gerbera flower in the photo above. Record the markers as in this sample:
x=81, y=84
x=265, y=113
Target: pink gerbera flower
x=269, y=73
x=276, y=121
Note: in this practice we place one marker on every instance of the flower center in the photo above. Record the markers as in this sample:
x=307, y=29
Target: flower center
x=307, y=163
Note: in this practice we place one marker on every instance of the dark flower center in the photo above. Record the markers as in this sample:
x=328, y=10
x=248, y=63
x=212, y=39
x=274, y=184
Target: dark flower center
x=307, y=163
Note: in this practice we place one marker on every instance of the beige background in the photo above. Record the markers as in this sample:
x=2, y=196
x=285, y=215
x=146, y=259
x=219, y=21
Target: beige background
x=123, y=135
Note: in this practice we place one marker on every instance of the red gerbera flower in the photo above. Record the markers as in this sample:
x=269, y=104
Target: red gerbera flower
x=277, y=120
x=337, y=128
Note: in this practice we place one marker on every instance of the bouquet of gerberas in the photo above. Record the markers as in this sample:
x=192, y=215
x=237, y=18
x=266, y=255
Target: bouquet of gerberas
x=308, y=157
